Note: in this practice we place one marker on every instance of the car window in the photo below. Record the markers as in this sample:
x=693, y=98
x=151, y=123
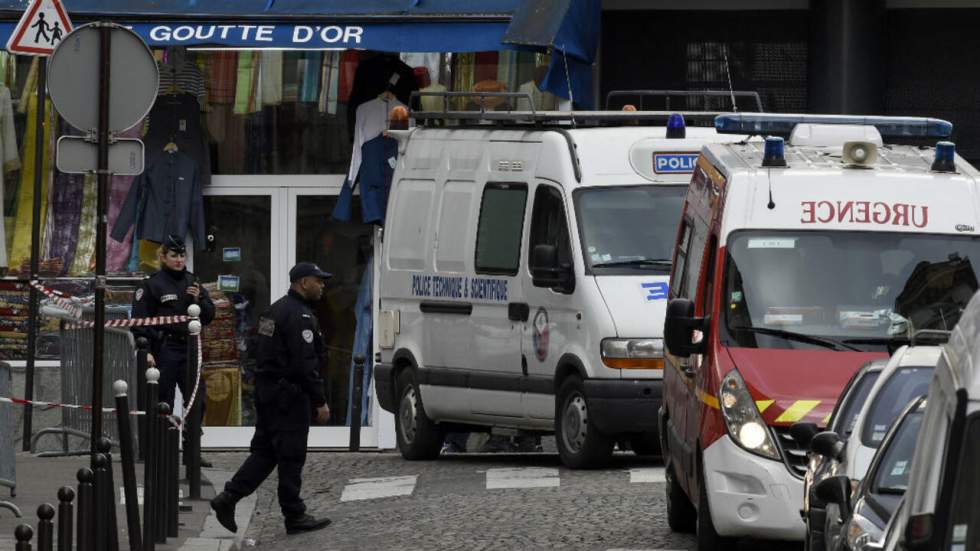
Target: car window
x=892, y=475
x=904, y=385
x=846, y=416
x=965, y=513
x=498, y=237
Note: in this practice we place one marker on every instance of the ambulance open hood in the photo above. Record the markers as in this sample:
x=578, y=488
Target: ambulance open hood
x=637, y=304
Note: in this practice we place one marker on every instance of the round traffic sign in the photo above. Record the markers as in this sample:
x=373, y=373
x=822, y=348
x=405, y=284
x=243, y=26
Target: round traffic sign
x=73, y=78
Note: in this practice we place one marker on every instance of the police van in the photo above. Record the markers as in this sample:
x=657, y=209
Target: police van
x=796, y=263
x=524, y=272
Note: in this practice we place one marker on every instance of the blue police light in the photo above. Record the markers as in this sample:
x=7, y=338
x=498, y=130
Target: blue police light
x=676, y=129
x=945, y=157
x=780, y=124
x=773, y=155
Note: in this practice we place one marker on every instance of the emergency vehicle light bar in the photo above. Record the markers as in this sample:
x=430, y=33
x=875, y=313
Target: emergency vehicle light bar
x=783, y=124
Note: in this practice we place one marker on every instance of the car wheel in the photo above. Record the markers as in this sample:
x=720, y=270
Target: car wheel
x=681, y=515
x=708, y=538
x=647, y=443
x=580, y=444
x=418, y=437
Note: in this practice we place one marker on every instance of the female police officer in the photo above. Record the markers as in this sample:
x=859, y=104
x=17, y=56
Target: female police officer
x=168, y=293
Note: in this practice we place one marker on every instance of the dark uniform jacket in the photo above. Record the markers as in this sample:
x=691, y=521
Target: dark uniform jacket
x=288, y=350
x=165, y=294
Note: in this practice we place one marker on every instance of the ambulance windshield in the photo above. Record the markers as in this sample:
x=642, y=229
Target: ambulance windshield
x=844, y=290
x=629, y=230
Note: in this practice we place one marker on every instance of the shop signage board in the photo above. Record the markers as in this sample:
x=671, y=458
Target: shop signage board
x=42, y=27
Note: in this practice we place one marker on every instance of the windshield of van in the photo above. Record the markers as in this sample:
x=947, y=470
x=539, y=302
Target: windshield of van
x=629, y=230
x=965, y=513
x=905, y=385
x=892, y=476
x=844, y=290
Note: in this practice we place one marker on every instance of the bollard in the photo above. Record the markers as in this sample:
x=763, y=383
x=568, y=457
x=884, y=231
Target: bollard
x=150, y=491
x=162, y=472
x=85, y=509
x=108, y=494
x=23, y=533
x=173, y=483
x=142, y=349
x=45, y=527
x=128, y=465
x=358, y=398
x=192, y=421
x=102, y=506
x=65, y=517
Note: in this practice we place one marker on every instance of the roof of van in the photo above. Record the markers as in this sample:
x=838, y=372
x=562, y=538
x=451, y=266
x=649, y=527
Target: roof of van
x=963, y=349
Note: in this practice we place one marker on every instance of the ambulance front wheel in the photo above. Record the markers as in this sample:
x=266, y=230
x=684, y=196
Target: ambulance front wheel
x=418, y=437
x=580, y=444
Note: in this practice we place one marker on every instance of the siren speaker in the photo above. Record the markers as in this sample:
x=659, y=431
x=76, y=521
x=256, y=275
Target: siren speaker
x=859, y=153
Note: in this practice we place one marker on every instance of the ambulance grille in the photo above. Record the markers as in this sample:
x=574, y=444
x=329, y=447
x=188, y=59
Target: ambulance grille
x=794, y=455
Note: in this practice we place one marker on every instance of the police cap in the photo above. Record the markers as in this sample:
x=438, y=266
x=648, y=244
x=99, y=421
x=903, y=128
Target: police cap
x=175, y=244
x=304, y=269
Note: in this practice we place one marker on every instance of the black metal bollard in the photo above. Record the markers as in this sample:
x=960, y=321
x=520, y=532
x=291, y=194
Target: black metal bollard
x=23, y=533
x=128, y=466
x=86, y=509
x=357, y=400
x=192, y=419
x=45, y=527
x=108, y=494
x=142, y=349
x=65, y=516
x=150, y=487
x=173, y=483
x=162, y=473
x=102, y=503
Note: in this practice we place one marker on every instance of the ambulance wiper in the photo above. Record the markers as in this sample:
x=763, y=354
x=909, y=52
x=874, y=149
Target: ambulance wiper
x=664, y=262
x=800, y=337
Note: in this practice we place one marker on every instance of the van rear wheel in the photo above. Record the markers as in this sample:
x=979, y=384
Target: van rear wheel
x=418, y=437
x=580, y=444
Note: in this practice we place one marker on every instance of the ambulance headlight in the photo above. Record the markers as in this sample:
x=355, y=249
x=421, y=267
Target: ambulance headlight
x=745, y=425
x=633, y=353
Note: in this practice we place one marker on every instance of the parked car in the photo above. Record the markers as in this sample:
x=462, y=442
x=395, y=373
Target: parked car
x=842, y=421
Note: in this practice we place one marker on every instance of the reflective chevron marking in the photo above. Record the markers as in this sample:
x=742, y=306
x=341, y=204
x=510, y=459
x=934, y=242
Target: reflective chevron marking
x=797, y=411
x=763, y=405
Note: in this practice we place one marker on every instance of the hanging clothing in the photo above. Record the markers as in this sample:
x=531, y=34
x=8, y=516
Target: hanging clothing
x=167, y=199
x=362, y=343
x=270, y=67
x=8, y=157
x=379, y=157
x=84, y=256
x=183, y=79
x=309, y=75
x=117, y=252
x=349, y=61
x=293, y=64
x=371, y=122
x=246, y=83
x=222, y=72
x=330, y=75
x=20, y=251
x=64, y=215
x=178, y=118
x=376, y=75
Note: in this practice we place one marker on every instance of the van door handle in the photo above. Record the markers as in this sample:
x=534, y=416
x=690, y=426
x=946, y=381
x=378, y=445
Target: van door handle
x=518, y=311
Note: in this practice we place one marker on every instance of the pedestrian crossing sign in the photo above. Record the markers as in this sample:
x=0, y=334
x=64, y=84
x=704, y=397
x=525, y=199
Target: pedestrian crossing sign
x=41, y=28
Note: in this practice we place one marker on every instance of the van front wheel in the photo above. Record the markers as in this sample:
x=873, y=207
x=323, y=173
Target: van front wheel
x=580, y=444
x=418, y=437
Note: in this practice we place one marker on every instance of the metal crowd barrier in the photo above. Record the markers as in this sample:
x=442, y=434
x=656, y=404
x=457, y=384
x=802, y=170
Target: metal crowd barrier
x=8, y=463
x=76, y=377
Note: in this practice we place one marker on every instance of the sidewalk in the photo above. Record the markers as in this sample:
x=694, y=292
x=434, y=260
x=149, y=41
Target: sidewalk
x=39, y=478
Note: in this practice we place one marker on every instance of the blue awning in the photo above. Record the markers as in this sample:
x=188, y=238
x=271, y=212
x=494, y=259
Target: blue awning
x=570, y=28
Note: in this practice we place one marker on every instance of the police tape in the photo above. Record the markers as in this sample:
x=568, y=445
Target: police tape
x=197, y=381
x=135, y=322
x=24, y=402
x=63, y=300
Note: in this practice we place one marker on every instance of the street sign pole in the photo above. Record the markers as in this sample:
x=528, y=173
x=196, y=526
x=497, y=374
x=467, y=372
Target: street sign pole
x=105, y=40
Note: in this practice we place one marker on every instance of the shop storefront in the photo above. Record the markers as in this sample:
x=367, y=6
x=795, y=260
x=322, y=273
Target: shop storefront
x=263, y=108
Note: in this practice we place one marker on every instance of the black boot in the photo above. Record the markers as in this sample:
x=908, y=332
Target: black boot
x=224, y=508
x=305, y=523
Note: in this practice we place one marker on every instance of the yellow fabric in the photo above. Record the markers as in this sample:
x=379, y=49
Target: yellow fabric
x=224, y=397
x=149, y=260
x=84, y=260
x=21, y=249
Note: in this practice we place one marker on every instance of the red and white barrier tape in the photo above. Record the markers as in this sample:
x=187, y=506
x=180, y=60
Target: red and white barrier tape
x=24, y=402
x=61, y=299
x=135, y=322
x=197, y=381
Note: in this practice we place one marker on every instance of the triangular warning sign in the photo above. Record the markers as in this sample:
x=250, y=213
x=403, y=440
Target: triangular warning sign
x=40, y=29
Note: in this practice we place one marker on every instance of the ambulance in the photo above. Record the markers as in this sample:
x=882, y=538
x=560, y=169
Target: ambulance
x=799, y=258
x=524, y=275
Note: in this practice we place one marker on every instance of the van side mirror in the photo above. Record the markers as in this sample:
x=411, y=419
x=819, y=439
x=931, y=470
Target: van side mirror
x=679, y=327
x=828, y=444
x=835, y=489
x=546, y=271
x=918, y=532
x=803, y=433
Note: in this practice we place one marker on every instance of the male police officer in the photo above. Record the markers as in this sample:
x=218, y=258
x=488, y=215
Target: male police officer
x=289, y=392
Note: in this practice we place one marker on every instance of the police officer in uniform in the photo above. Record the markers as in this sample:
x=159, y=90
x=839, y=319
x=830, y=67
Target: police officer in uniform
x=288, y=396
x=168, y=293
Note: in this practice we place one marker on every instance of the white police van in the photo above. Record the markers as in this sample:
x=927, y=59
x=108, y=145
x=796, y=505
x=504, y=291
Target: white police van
x=524, y=277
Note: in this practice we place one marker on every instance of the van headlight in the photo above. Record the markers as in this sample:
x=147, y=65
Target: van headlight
x=745, y=425
x=633, y=353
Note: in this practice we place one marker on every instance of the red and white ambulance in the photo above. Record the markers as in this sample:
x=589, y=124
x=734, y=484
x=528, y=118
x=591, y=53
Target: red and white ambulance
x=797, y=261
